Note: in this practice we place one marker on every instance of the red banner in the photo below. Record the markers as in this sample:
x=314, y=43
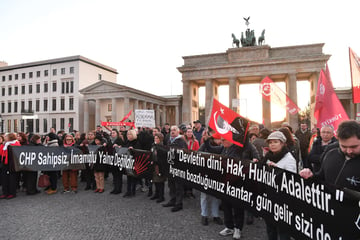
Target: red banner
x=228, y=124
x=127, y=116
x=272, y=93
x=106, y=124
x=328, y=108
x=355, y=75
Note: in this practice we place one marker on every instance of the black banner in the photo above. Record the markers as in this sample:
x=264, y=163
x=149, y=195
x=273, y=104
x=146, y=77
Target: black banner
x=305, y=208
x=137, y=163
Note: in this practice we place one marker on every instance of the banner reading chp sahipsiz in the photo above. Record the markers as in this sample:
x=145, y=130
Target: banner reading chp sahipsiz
x=41, y=158
x=307, y=209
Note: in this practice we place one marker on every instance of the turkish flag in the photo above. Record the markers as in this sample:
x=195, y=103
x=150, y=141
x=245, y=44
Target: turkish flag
x=272, y=93
x=228, y=124
x=355, y=75
x=328, y=108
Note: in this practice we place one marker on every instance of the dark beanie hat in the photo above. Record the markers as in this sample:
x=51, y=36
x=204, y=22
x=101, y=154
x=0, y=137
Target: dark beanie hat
x=52, y=136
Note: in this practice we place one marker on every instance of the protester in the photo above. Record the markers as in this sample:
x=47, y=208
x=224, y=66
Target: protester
x=340, y=165
x=304, y=136
x=89, y=168
x=198, y=130
x=69, y=177
x=280, y=157
x=8, y=174
x=326, y=137
x=31, y=176
x=52, y=141
x=292, y=146
x=176, y=187
x=192, y=144
x=99, y=167
x=131, y=180
x=207, y=200
x=160, y=162
x=115, y=142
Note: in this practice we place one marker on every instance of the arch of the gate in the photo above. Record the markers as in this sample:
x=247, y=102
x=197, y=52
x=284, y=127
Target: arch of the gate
x=239, y=66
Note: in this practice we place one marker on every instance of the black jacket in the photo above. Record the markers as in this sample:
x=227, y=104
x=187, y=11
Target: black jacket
x=316, y=150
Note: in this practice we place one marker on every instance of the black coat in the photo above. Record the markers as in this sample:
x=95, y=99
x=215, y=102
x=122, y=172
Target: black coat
x=316, y=150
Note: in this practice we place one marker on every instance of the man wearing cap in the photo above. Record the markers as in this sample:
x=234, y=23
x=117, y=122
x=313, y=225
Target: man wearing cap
x=198, y=130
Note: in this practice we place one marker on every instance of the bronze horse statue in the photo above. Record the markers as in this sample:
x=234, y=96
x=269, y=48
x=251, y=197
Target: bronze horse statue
x=261, y=38
x=235, y=40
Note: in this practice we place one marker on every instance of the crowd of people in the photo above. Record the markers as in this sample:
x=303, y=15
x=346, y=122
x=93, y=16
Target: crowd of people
x=317, y=153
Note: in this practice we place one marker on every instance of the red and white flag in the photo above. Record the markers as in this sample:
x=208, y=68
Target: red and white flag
x=272, y=93
x=328, y=108
x=228, y=124
x=355, y=75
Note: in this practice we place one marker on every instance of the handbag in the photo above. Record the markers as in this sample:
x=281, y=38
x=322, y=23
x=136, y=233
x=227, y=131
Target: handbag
x=43, y=181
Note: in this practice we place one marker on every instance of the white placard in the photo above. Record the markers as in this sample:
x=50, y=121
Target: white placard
x=144, y=118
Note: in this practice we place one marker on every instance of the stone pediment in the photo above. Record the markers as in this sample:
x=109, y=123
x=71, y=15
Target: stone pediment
x=103, y=87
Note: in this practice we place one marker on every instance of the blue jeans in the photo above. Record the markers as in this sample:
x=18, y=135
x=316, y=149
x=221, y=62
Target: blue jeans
x=205, y=201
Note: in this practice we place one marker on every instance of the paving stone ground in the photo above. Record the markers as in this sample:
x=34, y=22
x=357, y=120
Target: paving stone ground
x=89, y=215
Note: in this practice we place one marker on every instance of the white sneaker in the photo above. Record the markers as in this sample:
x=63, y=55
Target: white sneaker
x=237, y=233
x=226, y=232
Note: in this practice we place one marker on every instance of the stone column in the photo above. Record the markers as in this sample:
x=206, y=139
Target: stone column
x=233, y=93
x=313, y=88
x=291, y=90
x=186, y=109
x=163, y=115
x=209, y=95
x=113, y=112
x=86, y=116
x=177, y=114
x=97, y=113
x=157, y=115
x=126, y=107
x=136, y=104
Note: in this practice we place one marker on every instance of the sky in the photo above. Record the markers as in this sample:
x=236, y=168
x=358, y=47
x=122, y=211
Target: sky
x=146, y=40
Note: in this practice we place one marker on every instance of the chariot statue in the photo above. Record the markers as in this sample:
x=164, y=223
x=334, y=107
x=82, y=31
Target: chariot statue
x=249, y=39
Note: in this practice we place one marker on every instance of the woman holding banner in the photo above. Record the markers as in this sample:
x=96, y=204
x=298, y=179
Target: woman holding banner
x=115, y=142
x=69, y=177
x=8, y=174
x=278, y=156
x=193, y=144
x=52, y=141
x=31, y=176
x=99, y=167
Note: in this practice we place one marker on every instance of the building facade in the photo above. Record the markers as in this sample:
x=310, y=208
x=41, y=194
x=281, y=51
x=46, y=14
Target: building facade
x=39, y=95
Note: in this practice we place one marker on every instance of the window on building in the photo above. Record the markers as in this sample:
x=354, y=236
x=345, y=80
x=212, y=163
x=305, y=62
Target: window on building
x=16, y=89
x=71, y=86
x=54, y=72
x=67, y=87
x=53, y=123
x=62, y=104
x=37, y=73
x=62, y=71
x=62, y=123
x=23, y=76
x=30, y=89
x=3, y=91
x=37, y=105
x=45, y=105
x=9, y=91
x=3, y=78
x=16, y=76
x=46, y=73
x=15, y=107
x=30, y=106
x=109, y=107
x=37, y=125
x=30, y=74
x=71, y=69
x=2, y=107
x=99, y=77
x=71, y=103
x=54, y=104
x=63, y=87
x=38, y=88
x=9, y=125
x=54, y=86
x=9, y=107
x=45, y=125
x=22, y=125
x=10, y=77
x=46, y=87
x=22, y=106
x=23, y=89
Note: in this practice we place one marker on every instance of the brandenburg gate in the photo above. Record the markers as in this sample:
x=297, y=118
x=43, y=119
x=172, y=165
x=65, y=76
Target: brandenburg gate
x=247, y=65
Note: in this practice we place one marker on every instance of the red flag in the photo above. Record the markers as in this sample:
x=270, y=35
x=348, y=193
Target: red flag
x=127, y=116
x=228, y=124
x=355, y=75
x=328, y=108
x=272, y=93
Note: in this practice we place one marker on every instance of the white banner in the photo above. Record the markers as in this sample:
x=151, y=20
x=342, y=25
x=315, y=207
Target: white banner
x=144, y=118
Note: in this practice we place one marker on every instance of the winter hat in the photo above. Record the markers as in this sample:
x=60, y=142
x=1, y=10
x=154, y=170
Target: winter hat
x=276, y=135
x=52, y=136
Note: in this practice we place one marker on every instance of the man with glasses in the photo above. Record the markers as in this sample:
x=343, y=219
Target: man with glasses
x=319, y=145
